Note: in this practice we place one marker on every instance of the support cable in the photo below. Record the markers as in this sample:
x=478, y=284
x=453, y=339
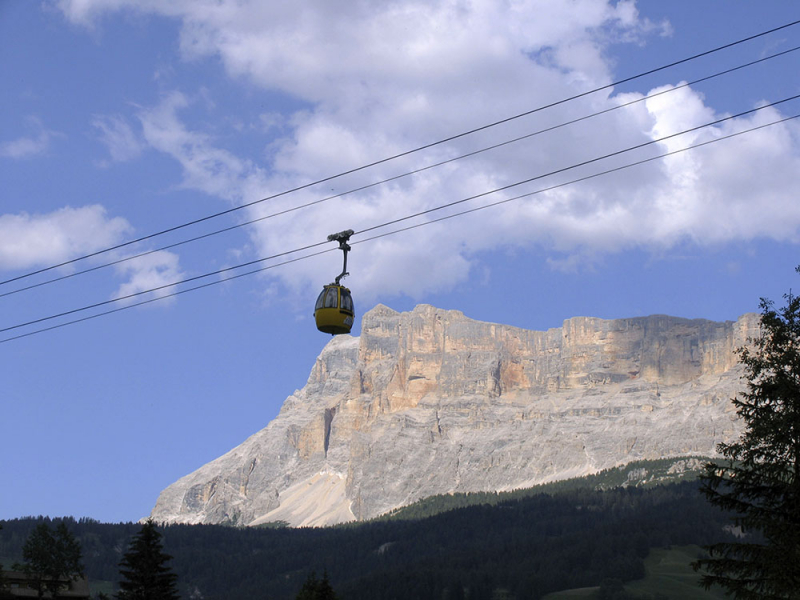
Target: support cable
x=407, y=152
x=575, y=166
x=394, y=221
x=408, y=228
x=397, y=177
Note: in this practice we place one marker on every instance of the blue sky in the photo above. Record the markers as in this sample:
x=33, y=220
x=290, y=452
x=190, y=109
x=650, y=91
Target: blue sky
x=122, y=118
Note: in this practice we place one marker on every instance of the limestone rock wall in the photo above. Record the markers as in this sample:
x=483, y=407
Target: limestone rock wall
x=431, y=402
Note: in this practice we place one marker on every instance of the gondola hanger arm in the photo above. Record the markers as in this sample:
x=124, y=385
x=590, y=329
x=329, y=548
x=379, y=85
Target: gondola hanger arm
x=342, y=237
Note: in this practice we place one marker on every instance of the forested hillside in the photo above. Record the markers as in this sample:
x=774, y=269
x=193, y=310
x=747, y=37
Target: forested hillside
x=640, y=473
x=528, y=546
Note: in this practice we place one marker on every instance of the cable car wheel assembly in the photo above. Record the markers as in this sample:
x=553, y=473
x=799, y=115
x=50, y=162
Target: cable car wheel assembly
x=334, y=311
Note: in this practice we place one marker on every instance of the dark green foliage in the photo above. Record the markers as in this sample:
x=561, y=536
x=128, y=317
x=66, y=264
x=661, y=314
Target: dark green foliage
x=455, y=591
x=2, y=579
x=4, y=593
x=52, y=559
x=145, y=575
x=760, y=481
x=524, y=548
x=317, y=589
x=657, y=473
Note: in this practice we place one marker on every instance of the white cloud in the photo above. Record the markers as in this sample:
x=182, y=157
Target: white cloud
x=118, y=136
x=206, y=167
x=148, y=272
x=381, y=78
x=28, y=241
x=28, y=146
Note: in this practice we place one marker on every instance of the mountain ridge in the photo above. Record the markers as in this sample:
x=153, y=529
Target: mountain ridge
x=430, y=402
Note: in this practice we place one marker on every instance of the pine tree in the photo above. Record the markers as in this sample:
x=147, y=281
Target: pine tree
x=325, y=589
x=317, y=589
x=759, y=481
x=309, y=589
x=145, y=575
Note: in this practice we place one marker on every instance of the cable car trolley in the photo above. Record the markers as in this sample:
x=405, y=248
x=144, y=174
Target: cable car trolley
x=334, y=311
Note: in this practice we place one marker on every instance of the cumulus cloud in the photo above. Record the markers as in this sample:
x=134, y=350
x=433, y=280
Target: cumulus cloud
x=31, y=145
x=381, y=78
x=29, y=241
x=156, y=270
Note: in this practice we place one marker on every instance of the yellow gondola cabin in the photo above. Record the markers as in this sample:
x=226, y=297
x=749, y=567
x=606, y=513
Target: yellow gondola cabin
x=334, y=311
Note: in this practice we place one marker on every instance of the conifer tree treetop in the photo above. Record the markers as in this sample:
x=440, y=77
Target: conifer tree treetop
x=144, y=570
x=760, y=481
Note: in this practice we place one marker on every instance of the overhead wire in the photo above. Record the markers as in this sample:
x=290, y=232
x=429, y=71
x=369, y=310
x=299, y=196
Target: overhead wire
x=578, y=180
x=410, y=227
x=164, y=296
x=397, y=220
x=575, y=166
x=402, y=175
x=404, y=153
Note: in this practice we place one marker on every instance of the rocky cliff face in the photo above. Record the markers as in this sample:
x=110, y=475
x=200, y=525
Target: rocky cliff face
x=431, y=402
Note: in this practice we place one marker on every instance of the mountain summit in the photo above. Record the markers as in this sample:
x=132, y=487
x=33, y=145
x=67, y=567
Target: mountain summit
x=431, y=402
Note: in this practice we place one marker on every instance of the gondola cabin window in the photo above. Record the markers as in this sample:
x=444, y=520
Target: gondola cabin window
x=347, y=301
x=331, y=298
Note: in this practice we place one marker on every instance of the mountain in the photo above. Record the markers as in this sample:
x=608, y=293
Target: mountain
x=431, y=402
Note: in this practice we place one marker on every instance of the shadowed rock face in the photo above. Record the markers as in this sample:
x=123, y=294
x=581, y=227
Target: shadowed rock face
x=431, y=402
